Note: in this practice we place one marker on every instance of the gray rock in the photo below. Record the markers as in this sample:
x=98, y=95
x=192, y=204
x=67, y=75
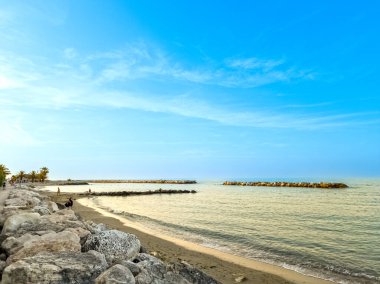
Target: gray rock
x=57, y=222
x=115, y=245
x=52, y=242
x=56, y=268
x=115, y=275
x=194, y=275
x=96, y=228
x=154, y=271
x=52, y=206
x=22, y=201
x=131, y=266
x=11, y=244
x=81, y=233
x=41, y=210
x=2, y=266
x=15, y=221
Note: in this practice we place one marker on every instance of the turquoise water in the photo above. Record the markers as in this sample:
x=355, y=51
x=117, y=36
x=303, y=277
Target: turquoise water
x=328, y=233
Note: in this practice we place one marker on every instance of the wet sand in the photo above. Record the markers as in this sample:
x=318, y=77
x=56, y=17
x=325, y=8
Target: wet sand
x=222, y=266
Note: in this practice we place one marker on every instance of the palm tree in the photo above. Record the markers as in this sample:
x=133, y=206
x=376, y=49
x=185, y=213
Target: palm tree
x=3, y=173
x=33, y=176
x=43, y=174
x=13, y=179
x=21, y=175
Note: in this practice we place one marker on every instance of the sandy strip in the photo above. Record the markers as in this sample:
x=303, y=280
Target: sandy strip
x=222, y=266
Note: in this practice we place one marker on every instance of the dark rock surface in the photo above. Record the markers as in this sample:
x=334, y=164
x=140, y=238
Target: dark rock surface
x=288, y=184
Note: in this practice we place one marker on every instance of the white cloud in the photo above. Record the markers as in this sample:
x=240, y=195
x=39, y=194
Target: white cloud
x=85, y=82
x=142, y=62
x=253, y=63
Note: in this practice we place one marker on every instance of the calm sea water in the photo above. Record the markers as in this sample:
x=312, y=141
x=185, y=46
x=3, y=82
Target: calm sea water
x=328, y=233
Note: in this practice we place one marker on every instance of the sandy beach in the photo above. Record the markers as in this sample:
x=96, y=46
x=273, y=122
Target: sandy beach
x=222, y=266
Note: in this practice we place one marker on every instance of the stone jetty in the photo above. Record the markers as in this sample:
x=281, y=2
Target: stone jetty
x=160, y=181
x=131, y=193
x=39, y=243
x=288, y=184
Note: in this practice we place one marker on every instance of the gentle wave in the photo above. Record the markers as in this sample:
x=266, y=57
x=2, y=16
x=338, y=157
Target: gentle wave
x=329, y=234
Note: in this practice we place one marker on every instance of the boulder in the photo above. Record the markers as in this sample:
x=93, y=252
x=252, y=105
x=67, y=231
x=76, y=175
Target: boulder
x=57, y=222
x=115, y=275
x=52, y=242
x=2, y=266
x=56, y=268
x=41, y=210
x=53, y=207
x=15, y=221
x=23, y=201
x=194, y=275
x=11, y=244
x=9, y=211
x=81, y=233
x=96, y=228
x=131, y=266
x=115, y=245
x=153, y=270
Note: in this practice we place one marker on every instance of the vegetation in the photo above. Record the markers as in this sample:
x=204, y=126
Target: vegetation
x=43, y=174
x=21, y=176
x=3, y=173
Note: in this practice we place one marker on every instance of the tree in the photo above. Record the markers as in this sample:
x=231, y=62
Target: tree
x=43, y=174
x=13, y=179
x=33, y=176
x=21, y=175
x=3, y=173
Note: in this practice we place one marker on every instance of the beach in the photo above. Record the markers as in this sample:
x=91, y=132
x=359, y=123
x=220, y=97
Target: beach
x=221, y=266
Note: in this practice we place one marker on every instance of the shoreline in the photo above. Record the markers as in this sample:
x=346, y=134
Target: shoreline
x=222, y=266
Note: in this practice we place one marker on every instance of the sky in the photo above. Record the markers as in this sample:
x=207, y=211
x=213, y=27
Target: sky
x=190, y=89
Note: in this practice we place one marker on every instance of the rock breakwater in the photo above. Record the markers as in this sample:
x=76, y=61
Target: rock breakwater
x=160, y=181
x=127, y=193
x=288, y=184
x=41, y=244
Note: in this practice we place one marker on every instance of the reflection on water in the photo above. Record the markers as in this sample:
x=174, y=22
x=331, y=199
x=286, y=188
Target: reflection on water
x=330, y=233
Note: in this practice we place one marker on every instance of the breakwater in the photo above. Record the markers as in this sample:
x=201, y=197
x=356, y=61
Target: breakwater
x=288, y=184
x=128, y=193
x=160, y=181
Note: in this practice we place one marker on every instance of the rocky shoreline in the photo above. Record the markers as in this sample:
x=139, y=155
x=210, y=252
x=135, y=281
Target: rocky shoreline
x=288, y=184
x=41, y=243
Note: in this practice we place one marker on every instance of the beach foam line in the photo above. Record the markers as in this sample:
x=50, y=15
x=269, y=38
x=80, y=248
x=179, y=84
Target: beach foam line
x=287, y=274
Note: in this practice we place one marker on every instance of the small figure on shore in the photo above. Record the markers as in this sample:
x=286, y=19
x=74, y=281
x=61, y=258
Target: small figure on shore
x=4, y=184
x=58, y=191
x=69, y=204
x=89, y=190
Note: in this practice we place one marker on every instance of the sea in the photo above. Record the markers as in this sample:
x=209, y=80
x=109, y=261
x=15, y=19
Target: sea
x=333, y=234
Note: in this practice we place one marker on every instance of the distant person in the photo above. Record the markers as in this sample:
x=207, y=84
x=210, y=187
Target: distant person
x=58, y=191
x=4, y=184
x=69, y=204
x=89, y=190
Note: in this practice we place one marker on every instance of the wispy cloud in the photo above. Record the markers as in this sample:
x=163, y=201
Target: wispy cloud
x=85, y=82
x=141, y=61
x=253, y=63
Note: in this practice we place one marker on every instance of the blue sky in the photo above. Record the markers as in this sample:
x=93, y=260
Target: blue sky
x=190, y=89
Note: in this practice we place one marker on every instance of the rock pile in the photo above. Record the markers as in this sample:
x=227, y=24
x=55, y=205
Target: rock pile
x=42, y=244
x=288, y=184
x=130, y=193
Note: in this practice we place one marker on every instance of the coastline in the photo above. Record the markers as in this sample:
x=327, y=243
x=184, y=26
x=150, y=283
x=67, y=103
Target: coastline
x=224, y=267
